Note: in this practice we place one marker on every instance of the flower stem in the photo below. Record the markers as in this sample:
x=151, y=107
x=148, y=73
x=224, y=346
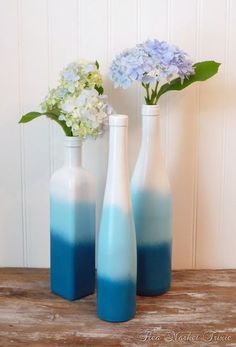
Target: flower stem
x=146, y=87
x=154, y=95
x=156, y=86
x=156, y=99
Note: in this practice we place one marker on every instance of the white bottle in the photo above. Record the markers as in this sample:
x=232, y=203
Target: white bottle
x=72, y=226
x=116, y=266
x=152, y=206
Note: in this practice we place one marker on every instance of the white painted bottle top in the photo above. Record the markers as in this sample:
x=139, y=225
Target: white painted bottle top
x=118, y=120
x=150, y=110
x=72, y=141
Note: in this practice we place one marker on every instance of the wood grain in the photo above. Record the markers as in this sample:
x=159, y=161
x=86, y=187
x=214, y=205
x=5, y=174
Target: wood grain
x=199, y=301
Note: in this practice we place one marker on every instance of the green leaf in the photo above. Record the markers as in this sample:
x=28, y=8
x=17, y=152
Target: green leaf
x=97, y=65
x=99, y=89
x=54, y=114
x=203, y=71
x=62, y=123
x=29, y=116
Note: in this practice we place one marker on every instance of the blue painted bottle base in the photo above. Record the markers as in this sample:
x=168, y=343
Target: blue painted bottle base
x=116, y=300
x=72, y=268
x=154, y=269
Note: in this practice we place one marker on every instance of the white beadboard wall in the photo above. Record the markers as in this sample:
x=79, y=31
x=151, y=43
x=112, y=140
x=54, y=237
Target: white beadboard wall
x=37, y=38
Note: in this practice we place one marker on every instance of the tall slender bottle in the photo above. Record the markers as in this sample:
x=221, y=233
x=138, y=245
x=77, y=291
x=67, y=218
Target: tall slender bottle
x=72, y=226
x=117, y=259
x=152, y=205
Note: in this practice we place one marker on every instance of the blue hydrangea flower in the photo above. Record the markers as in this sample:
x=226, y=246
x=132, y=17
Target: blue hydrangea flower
x=151, y=61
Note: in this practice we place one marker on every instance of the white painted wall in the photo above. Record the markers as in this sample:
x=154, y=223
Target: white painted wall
x=37, y=38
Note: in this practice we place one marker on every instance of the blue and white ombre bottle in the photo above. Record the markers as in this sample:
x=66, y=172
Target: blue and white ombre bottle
x=152, y=206
x=72, y=226
x=116, y=257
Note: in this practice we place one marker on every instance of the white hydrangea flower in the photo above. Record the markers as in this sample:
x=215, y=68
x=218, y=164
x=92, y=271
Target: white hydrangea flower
x=89, y=111
x=76, y=99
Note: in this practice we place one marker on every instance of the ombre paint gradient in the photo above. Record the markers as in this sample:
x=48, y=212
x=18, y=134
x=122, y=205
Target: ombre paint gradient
x=117, y=266
x=153, y=223
x=72, y=243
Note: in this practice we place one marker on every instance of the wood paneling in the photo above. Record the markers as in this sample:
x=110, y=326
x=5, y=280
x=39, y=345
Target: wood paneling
x=12, y=218
x=198, y=125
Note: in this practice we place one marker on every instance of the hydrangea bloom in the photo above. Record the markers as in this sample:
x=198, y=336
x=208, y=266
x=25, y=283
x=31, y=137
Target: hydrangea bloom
x=73, y=79
x=86, y=114
x=77, y=100
x=150, y=62
x=168, y=61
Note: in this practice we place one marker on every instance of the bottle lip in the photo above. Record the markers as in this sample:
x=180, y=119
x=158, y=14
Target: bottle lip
x=118, y=120
x=150, y=110
x=72, y=141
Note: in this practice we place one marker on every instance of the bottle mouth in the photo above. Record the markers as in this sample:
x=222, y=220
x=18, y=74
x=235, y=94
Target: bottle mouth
x=150, y=110
x=118, y=120
x=72, y=141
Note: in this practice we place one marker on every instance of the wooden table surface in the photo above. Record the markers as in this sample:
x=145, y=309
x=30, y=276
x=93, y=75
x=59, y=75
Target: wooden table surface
x=199, y=310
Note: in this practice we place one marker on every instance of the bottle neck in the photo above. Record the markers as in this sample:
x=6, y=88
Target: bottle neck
x=151, y=137
x=118, y=156
x=73, y=152
x=150, y=172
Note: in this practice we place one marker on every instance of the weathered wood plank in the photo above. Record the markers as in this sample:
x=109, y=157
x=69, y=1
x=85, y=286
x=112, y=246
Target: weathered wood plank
x=199, y=302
